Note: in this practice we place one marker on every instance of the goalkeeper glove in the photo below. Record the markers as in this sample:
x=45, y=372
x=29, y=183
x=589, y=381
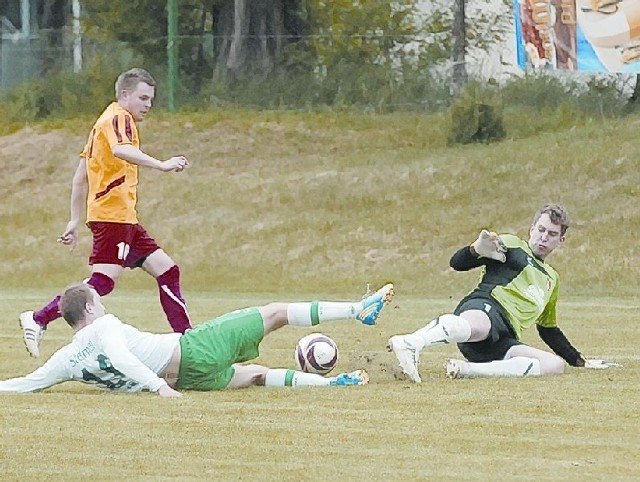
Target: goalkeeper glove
x=489, y=245
x=601, y=364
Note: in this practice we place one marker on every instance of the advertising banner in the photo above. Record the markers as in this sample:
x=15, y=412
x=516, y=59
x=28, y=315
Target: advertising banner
x=579, y=35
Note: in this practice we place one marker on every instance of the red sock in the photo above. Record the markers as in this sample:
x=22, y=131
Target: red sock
x=48, y=313
x=172, y=301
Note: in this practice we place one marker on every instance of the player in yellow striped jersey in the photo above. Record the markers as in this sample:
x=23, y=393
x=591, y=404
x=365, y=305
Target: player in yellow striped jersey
x=518, y=289
x=105, y=182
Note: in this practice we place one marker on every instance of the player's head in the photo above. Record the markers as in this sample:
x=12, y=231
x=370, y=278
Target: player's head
x=135, y=90
x=549, y=229
x=80, y=303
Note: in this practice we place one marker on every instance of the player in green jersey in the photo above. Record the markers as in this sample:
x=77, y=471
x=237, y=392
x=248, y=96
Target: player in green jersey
x=518, y=289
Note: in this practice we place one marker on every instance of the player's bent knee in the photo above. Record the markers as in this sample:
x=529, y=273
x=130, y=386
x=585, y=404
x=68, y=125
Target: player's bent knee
x=456, y=328
x=274, y=316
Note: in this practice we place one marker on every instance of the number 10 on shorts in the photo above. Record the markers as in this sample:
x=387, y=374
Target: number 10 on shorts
x=123, y=251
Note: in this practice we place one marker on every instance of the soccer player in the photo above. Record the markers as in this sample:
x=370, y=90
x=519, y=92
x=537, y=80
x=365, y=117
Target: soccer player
x=106, y=180
x=518, y=288
x=115, y=356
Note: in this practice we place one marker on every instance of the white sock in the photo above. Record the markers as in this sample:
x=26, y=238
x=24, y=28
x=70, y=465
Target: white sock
x=518, y=366
x=281, y=377
x=310, y=314
x=444, y=329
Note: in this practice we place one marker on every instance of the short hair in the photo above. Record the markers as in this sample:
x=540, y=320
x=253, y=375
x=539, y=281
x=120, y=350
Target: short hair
x=131, y=78
x=558, y=215
x=73, y=302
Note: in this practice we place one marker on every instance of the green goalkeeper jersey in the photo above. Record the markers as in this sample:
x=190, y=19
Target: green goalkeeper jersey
x=525, y=286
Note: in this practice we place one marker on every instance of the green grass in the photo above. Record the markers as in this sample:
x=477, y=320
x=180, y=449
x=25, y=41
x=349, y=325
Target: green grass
x=293, y=206
x=329, y=201
x=579, y=426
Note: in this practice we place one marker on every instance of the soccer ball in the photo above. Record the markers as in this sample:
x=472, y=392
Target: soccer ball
x=316, y=353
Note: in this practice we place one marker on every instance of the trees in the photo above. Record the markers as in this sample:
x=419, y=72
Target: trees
x=232, y=41
x=223, y=37
x=300, y=51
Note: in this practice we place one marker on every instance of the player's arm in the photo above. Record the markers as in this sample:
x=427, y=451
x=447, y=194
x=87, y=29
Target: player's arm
x=464, y=259
x=560, y=344
x=486, y=248
x=134, y=155
x=113, y=343
x=79, y=189
x=49, y=374
x=557, y=340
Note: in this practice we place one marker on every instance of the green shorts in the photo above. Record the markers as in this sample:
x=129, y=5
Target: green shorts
x=210, y=349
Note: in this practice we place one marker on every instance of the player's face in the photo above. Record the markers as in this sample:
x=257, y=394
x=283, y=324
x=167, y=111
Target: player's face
x=544, y=237
x=138, y=101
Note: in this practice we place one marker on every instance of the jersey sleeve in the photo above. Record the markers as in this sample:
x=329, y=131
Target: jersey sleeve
x=547, y=318
x=464, y=260
x=112, y=341
x=120, y=130
x=49, y=374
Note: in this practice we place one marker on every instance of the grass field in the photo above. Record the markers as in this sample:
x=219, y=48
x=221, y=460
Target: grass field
x=298, y=206
x=579, y=426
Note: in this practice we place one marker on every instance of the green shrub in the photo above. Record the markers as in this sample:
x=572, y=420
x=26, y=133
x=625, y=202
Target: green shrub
x=63, y=93
x=476, y=116
x=591, y=95
x=536, y=90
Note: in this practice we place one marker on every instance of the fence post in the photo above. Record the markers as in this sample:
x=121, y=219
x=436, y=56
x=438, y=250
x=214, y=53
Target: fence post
x=172, y=51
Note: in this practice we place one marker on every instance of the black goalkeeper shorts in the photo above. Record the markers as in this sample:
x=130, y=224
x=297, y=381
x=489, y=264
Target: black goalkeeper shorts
x=501, y=336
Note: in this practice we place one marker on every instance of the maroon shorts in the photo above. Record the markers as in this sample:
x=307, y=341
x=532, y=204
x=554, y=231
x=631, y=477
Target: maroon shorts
x=126, y=245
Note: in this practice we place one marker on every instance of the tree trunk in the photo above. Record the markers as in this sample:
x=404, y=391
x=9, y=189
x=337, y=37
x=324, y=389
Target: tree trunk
x=634, y=100
x=237, y=49
x=459, y=69
x=249, y=35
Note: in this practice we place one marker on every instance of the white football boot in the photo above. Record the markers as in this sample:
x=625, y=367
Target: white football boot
x=407, y=357
x=32, y=333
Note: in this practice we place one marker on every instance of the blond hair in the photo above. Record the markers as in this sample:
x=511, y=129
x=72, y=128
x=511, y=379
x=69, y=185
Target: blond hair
x=131, y=78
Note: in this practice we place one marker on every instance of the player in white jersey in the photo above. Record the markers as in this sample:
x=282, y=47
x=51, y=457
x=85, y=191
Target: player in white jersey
x=116, y=356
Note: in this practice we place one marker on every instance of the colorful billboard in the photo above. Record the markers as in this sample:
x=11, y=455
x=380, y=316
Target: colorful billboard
x=580, y=35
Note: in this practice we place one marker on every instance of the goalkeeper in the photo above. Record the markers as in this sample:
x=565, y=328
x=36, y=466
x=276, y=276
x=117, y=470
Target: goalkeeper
x=518, y=289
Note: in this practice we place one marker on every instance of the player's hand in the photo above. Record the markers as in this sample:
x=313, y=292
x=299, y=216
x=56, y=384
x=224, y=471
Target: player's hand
x=601, y=364
x=166, y=391
x=175, y=163
x=70, y=235
x=489, y=245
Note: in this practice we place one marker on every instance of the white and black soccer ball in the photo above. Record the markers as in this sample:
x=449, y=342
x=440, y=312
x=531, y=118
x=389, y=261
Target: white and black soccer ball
x=316, y=353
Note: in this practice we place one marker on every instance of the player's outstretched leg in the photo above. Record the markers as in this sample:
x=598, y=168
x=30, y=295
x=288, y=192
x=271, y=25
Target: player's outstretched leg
x=281, y=377
x=513, y=367
x=367, y=311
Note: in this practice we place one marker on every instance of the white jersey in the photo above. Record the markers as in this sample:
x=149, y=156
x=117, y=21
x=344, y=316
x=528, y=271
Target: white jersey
x=107, y=353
